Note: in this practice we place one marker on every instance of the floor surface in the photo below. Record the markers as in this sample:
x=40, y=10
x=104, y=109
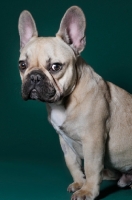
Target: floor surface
x=45, y=180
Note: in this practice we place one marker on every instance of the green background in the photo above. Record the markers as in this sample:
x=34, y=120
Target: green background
x=31, y=161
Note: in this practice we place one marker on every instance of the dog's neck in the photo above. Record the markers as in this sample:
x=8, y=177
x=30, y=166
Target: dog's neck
x=86, y=70
x=86, y=78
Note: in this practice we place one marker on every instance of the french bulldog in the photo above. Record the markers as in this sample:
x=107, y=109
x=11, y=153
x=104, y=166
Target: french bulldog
x=92, y=117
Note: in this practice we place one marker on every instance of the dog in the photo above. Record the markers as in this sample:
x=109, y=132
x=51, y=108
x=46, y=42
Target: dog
x=92, y=117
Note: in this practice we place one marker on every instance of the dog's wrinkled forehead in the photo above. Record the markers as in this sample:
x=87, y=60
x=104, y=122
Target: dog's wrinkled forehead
x=41, y=50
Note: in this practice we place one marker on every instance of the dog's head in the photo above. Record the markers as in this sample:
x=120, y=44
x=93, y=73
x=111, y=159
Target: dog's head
x=48, y=64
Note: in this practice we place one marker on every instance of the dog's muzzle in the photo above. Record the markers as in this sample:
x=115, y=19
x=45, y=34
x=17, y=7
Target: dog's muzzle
x=38, y=86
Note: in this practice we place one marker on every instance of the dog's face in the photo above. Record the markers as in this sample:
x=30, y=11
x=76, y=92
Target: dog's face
x=47, y=69
x=47, y=64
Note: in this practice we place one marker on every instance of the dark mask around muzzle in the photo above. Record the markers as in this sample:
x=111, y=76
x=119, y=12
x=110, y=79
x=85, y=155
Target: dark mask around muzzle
x=38, y=86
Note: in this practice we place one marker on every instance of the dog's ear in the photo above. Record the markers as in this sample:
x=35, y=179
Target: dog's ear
x=72, y=29
x=27, y=28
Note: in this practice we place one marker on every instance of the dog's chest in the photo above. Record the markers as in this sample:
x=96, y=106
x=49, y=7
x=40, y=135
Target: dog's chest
x=58, y=115
x=57, y=118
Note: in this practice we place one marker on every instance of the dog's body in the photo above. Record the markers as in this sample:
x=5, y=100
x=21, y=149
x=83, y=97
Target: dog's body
x=92, y=117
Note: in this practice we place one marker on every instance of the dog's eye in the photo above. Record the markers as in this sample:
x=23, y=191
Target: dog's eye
x=56, y=67
x=22, y=65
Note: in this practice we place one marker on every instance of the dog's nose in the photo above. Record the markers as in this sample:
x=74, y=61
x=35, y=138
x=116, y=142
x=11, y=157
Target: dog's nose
x=35, y=78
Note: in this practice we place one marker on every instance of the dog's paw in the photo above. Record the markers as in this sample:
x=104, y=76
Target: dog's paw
x=74, y=187
x=82, y=195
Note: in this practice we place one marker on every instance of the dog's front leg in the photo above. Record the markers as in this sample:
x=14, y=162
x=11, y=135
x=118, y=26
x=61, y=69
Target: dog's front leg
x=93, y=144
x=73, y=163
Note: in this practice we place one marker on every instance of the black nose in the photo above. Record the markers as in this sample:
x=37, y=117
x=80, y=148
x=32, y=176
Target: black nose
x=35, y=78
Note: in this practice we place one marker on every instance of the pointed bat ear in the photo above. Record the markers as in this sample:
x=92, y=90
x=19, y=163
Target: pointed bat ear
x=72, y=29
x=27, y=28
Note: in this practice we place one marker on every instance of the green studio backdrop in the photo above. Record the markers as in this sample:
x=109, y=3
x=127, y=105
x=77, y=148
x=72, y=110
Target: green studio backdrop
x=31, y=161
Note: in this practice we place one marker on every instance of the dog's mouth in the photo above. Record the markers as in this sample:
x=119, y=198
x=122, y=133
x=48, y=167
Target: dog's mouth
x=34, y=94
x=48, y=97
